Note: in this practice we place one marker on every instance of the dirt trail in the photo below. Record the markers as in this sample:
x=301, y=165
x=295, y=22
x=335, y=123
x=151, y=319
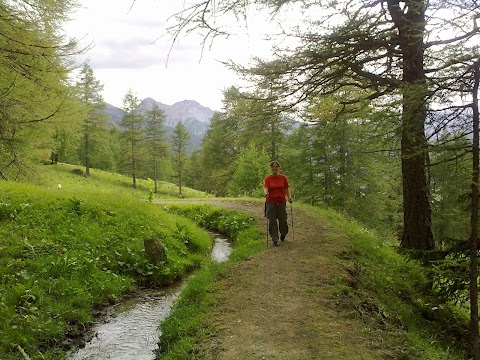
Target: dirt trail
x=281, y=304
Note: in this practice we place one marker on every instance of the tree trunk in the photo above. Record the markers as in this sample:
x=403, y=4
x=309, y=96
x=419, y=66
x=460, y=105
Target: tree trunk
x=274, y=145
x=134, y=166
x=180, y=173
x=87, y=155
x=474, y=332
x=417, y=231
x=155, y=171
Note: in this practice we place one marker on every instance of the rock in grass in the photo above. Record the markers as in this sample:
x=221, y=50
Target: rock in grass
x=154, y=250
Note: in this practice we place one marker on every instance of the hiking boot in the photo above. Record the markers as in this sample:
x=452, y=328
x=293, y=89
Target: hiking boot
x=275, y=243
x=282, y=238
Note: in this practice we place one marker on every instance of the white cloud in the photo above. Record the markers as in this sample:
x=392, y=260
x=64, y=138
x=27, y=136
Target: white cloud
x=131, y=50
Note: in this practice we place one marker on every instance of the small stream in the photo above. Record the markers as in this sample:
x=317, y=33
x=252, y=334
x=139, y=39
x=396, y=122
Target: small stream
x=131, y=331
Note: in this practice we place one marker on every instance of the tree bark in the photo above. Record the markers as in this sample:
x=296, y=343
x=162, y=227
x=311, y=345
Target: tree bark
x=474, y=331
x=87, y=155
x=410, y=22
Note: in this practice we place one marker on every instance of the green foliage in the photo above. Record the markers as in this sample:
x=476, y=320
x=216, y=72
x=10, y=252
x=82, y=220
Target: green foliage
x=450, y=188
x=208, y=217
x=192, y=174
x=338, y=160
x=154, y=137
x=179, y=144
x=66, y=250
x=219, y=151
x=248, y=127
x=34, y=98
x=396, y=293
x=450, y=276
x=249, y=171
x=132, y=136
x=88, y=90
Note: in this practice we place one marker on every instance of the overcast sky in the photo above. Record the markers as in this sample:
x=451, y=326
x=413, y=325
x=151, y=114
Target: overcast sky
x=130, y=51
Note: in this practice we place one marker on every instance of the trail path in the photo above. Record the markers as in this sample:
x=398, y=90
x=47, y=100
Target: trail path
x=281, y=304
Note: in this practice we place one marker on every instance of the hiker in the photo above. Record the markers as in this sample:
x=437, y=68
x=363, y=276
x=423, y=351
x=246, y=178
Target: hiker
x=275, y=188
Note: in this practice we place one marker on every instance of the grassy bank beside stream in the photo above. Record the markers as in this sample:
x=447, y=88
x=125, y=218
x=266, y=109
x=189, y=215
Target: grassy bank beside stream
x=190, y=321
x=71, y=244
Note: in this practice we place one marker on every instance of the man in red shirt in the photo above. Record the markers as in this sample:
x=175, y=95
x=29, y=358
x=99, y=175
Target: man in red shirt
x=275, y=188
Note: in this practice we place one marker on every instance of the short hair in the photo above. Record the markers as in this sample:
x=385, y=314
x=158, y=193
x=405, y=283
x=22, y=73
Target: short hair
x=274, y=162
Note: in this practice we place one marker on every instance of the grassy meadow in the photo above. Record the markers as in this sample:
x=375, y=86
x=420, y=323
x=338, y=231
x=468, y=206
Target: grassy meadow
x=71, y=244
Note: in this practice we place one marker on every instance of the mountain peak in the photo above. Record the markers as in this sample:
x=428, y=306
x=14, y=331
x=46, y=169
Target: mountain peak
x=192, y=114
x=188, y=102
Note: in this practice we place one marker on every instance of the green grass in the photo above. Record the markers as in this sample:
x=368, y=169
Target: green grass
x=50, y=176
x=67, y=250
x=394, y=294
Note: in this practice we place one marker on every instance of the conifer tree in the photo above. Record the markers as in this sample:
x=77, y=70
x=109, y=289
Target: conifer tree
x=34, y=93
x=133, y=134
x=219, y=150
x=94, y=129
x=193, y=170
x=180, y=140
x=249, y=171
x=154, y=135
x=474, y=218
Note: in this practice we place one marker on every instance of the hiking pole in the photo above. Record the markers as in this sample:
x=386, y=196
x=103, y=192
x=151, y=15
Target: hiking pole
x=266, y=221
x=291, y=215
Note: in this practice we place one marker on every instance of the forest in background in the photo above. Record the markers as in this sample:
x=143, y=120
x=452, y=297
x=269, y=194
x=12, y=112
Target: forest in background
x=375, y=116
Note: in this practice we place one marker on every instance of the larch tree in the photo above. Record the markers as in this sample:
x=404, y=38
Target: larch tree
x=180, y=139
x=154, y=136
x=474, y=220
x=408, y=54
x=346, y=161
x=94, y=128
x=249, y=170
x=259, y=122
x=133, y=134
x=220, y=148
x=34, y=94
x=192, y=170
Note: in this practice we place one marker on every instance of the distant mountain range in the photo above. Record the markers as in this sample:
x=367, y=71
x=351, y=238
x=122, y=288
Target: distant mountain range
x=194, y=116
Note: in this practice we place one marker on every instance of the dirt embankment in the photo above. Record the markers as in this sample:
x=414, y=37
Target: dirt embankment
x=281, y=304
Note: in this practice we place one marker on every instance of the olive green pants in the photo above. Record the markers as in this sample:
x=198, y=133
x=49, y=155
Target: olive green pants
x=277, y=220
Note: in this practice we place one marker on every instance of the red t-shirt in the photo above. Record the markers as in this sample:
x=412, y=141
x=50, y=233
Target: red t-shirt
x=276, y=187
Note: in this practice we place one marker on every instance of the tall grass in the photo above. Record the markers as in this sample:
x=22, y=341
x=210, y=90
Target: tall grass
x=69, y=244
x=394, y=294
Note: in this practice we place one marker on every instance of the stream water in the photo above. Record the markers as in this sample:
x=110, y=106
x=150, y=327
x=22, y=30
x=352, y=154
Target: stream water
x=131, y=331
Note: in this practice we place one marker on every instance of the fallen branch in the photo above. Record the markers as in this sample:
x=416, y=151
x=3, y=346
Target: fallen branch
x=25, y=356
